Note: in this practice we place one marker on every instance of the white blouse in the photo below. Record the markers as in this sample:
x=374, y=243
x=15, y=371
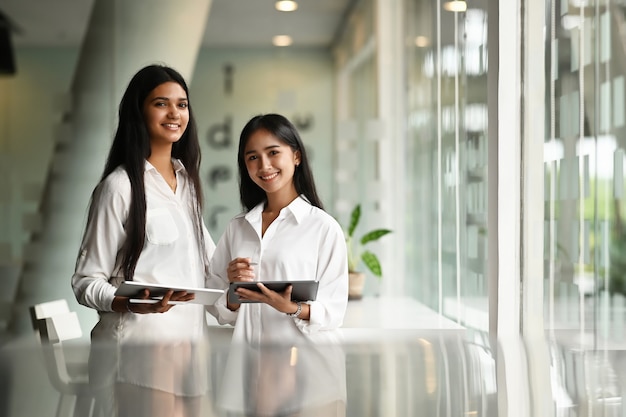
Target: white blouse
x=170, y=256
x=303, y=243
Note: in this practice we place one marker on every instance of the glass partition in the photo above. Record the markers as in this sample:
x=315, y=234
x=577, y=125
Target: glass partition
x=447, y=159
x=584, y=172
x=584, y=231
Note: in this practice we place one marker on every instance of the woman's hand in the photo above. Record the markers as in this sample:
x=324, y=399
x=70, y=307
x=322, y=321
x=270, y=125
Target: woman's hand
x=123, y=304
x=281, y=301
x=240, y=269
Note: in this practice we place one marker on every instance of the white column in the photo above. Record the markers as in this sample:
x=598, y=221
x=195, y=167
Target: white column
x=537, y=354
x=391, y=157
x=523, y=360
x=513, y=397
x=392, y=171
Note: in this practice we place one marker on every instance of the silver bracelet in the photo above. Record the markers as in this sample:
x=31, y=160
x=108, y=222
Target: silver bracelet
x=298, y=311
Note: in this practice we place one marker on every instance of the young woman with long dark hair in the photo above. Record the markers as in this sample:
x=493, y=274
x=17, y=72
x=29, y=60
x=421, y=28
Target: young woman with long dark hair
x=284, y=234
x=145, y=224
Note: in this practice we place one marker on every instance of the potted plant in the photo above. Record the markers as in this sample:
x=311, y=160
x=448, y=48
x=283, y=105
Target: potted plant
x=357, y=254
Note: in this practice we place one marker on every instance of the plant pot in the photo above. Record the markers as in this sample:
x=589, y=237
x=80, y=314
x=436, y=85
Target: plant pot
x=356, y=282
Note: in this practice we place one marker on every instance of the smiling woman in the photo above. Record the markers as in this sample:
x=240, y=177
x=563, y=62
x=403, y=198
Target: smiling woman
x=145, y=225
x=283, y=235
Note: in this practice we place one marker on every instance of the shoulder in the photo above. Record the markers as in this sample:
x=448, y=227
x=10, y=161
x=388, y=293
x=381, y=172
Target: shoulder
x=323, y=219
x=116, y=183
x=112, y=196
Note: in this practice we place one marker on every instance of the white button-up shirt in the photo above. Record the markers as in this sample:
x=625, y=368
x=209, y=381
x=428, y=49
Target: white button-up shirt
x=170, y=256
x=303, y=243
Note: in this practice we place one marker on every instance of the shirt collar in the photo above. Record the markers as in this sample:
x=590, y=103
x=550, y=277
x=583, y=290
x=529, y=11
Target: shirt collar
x=299, y=209
x=178, y=165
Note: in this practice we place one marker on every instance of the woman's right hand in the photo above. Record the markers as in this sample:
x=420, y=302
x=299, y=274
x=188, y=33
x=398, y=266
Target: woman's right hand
x=123, y=304
x=240, y=269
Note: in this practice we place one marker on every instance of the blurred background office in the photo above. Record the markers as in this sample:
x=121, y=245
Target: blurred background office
x=488, y=135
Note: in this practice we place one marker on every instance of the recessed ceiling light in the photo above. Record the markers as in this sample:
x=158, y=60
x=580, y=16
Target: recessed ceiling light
x=282, y=40
x=286, y=5
x=455, y=6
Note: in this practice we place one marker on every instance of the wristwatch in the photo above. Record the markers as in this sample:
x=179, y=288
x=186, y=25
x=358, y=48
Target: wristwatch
x=298, y=311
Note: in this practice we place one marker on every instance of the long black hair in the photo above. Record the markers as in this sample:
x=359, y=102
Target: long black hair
x=251, y=194
x=131, y=148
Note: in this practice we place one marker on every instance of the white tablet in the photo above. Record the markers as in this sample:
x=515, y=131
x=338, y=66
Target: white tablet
x=134, y=290
x=301, y=291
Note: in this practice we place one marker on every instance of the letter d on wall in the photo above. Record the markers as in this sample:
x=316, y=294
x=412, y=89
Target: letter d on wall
x=219, y=135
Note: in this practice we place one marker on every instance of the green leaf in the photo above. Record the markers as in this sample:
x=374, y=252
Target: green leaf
x=374, y=235
x=371, y=261
x=354, y=219
x=352, y=259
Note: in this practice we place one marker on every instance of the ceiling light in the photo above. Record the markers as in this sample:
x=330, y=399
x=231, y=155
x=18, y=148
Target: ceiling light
x=282, y=40
x=422, y=41
x=286, y=5
x=455, y=6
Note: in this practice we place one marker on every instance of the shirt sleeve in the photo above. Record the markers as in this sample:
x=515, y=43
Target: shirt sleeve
x=218, y=279
x=104, y=236
x=329, y=308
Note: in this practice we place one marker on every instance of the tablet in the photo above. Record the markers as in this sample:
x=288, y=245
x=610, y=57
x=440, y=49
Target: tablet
x=133, y=289
x=302, y=290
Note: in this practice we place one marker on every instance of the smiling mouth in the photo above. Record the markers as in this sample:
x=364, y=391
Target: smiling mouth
x=269, y=177
x=171, y=125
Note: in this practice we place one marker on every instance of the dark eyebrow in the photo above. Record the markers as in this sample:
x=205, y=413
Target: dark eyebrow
x=269, y=147
x=167, y=99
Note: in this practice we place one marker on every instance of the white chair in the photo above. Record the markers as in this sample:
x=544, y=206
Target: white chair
x=48, y=309
x=77, y=395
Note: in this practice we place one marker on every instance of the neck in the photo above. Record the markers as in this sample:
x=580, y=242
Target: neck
x=161, y=159
x=276, y=201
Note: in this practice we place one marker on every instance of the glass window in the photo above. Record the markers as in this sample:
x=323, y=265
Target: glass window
x=446, y=240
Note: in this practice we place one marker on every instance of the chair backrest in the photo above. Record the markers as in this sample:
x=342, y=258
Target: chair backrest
x=60, y=327
x=55, y=324
x=53, y=331
x=47, y=309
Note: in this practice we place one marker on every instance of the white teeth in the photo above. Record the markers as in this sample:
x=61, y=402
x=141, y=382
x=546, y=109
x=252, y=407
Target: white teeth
x=171, y=125
x=269, y=177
